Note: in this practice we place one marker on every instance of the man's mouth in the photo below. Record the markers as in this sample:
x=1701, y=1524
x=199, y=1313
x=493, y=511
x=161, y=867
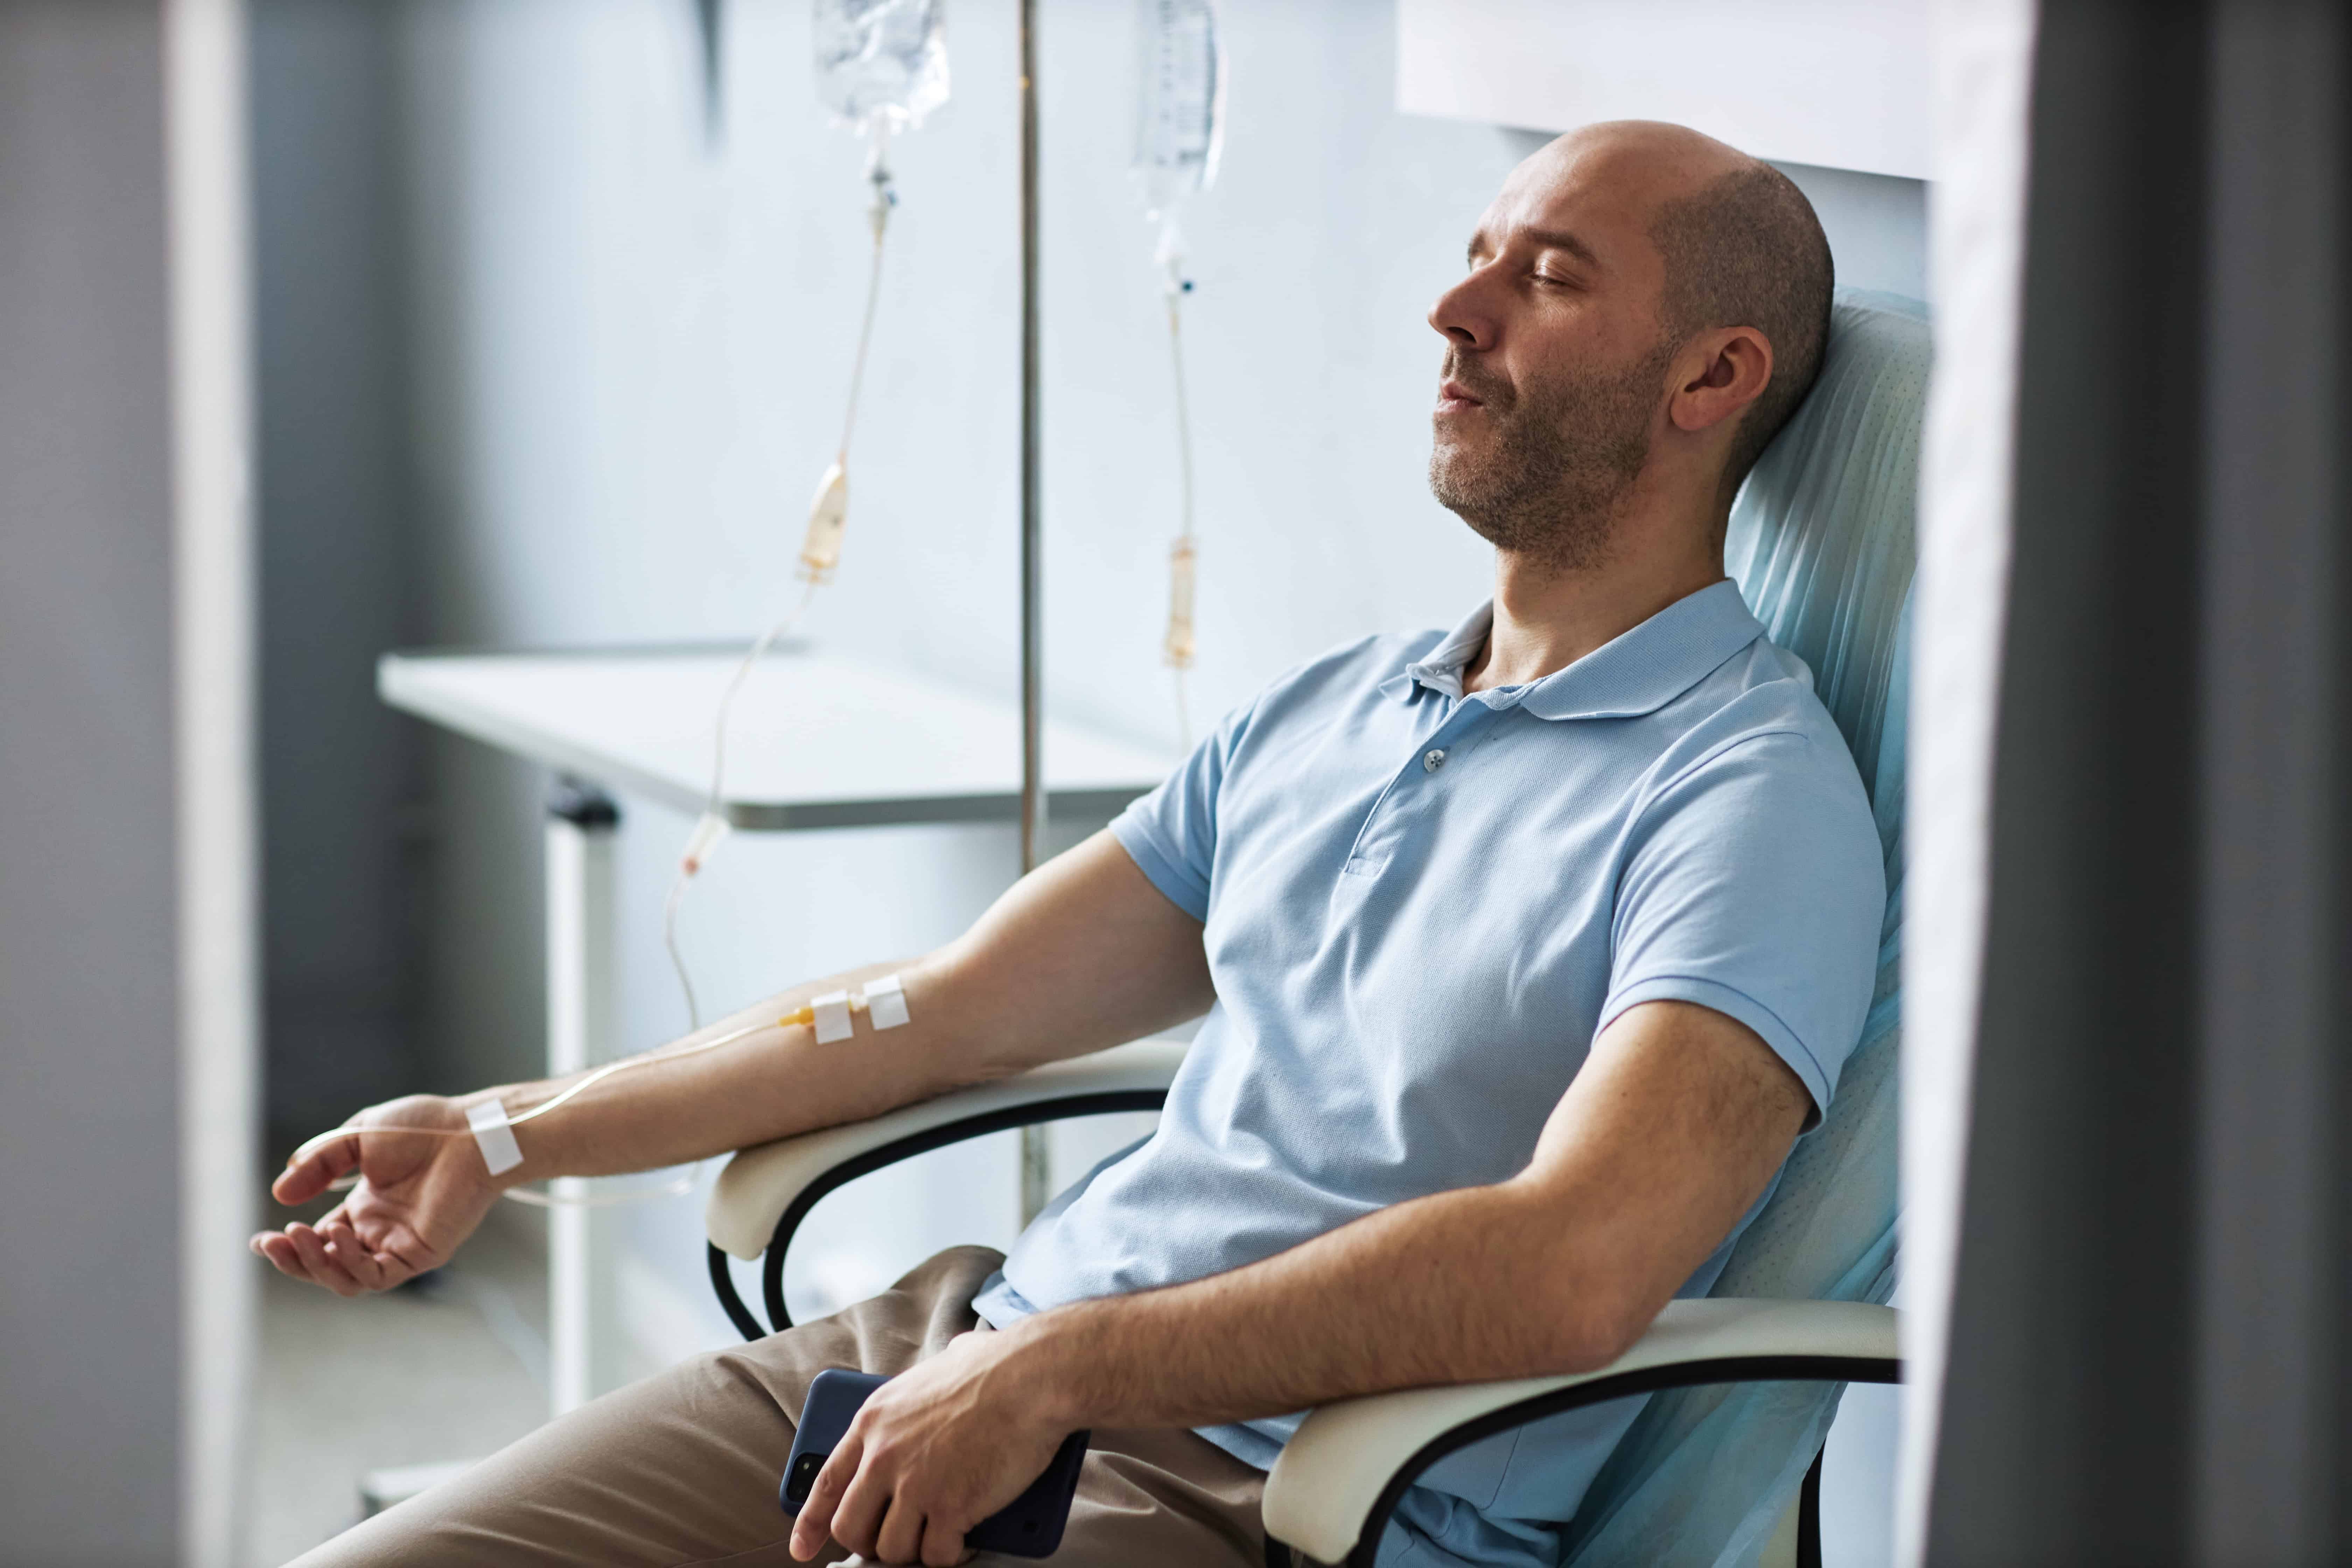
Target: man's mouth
x=1452, y=397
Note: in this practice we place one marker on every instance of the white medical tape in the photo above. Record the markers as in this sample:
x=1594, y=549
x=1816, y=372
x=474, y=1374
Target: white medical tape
x=886, y=1002
x=832, y=1012
x=494, y=1137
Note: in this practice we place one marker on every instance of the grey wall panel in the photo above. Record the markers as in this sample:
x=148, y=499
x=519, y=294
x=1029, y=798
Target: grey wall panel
x=89, y=1163
x=341, y=771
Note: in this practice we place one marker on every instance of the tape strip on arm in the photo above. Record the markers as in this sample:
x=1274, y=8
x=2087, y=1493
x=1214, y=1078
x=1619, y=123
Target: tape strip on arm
x=494, y=1137
x=886, y=1002
x=832, y=1016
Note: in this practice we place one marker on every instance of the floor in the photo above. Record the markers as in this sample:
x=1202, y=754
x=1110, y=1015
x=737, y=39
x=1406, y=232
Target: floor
x=454, y=1369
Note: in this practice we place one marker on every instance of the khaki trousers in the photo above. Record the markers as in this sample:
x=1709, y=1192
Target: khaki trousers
x=682, y=1468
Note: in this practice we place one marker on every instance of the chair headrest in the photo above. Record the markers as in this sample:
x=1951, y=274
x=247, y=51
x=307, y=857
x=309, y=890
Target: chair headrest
x=1822, y=540
x=1820, y=544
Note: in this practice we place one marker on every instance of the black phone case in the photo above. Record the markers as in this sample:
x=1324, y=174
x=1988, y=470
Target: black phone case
x=1031, y=1525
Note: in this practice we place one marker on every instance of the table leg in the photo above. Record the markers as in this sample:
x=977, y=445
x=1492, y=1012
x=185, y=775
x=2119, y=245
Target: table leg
x=583, y=1340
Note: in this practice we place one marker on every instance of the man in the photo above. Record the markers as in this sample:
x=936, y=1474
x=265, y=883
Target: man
x=1526, y=953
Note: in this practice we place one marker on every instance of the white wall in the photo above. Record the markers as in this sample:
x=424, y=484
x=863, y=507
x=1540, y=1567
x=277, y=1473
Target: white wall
x=629, y=355
x=1840, y=82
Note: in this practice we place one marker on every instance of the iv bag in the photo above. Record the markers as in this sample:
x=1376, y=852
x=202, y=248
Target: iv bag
x=881, y=64
x=1180, y=126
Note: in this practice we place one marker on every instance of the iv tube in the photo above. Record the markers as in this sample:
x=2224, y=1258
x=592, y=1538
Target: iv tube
x=820, y=554
x=1180, y=140
x=881, y=66
x=1178, y=648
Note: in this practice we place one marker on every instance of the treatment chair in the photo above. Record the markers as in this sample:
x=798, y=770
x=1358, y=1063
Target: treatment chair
x=1723, y=1465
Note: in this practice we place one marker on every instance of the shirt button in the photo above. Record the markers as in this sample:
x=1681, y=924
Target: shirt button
x=1433, y=762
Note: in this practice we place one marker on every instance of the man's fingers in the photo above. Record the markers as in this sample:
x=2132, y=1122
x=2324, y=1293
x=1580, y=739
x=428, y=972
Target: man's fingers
x=857, y=1517
x=279, y=1251
x=345, y=1247
x=311, y=1253
x=816, y=1516
x=280, y=1248
x=306, y=1178
x=900, y=1539
x=324, y=1269
x=942, y=1547
x=330, y=1254
x=407, y=1248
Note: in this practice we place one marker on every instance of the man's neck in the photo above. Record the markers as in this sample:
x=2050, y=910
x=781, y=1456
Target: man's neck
x=1548, y=617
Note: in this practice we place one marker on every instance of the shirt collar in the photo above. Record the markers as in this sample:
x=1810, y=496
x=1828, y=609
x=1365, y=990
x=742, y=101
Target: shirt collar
x=1637, y=672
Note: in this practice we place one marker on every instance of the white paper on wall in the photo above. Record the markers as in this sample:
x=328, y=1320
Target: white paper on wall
x=1842, y=83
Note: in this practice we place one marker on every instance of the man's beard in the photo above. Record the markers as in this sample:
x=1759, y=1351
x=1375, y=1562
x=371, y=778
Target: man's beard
x=1564, y=456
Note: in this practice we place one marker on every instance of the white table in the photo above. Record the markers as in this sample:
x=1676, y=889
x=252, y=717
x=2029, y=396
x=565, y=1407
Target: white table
x=815, y=742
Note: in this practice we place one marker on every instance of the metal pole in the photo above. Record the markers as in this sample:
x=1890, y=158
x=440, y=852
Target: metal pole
x=1034, y=1175
x=1033, y=786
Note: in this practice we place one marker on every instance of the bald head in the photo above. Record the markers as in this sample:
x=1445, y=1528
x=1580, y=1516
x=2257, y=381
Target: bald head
x=1740, y=246
x=1651, y=156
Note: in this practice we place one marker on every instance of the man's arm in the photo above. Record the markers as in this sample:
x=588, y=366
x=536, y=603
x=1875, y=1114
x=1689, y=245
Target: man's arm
x=1665, y=1137
x=1081, y=954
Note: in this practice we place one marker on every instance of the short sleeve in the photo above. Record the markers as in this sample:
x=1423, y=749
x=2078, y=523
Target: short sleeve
x=1753, y=885
x=1171, y=832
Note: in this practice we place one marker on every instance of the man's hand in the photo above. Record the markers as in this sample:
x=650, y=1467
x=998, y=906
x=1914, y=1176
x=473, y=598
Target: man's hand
x=420, y=1195
x=934, y=1452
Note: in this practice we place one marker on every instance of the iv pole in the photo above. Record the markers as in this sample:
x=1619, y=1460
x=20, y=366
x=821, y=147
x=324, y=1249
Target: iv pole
x=1033, y=1172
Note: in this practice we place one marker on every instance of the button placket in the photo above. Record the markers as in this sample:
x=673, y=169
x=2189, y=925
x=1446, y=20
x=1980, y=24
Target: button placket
x=1399, y=802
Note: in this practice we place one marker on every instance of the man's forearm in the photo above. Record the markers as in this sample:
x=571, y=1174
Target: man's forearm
x=682, y=1103
x=1459, y=1287
x=1081, y=954
x=1676, y=1122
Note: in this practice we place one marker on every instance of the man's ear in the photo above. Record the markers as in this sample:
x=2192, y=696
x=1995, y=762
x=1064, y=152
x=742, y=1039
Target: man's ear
x=1723, y=372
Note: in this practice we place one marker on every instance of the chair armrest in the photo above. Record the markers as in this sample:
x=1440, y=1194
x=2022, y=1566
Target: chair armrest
x=1338, y=1480
x=758, y=1185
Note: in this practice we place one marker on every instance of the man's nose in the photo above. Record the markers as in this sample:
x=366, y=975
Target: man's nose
x=1463, y=316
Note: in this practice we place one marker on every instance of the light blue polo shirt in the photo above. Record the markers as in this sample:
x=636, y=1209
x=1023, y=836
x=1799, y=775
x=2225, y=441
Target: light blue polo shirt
x=1419, y=910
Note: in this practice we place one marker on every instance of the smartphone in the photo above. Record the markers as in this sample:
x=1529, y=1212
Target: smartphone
x=1031, y=1525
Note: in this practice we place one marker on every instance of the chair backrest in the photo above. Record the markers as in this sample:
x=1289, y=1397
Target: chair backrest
x=1822, y=546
